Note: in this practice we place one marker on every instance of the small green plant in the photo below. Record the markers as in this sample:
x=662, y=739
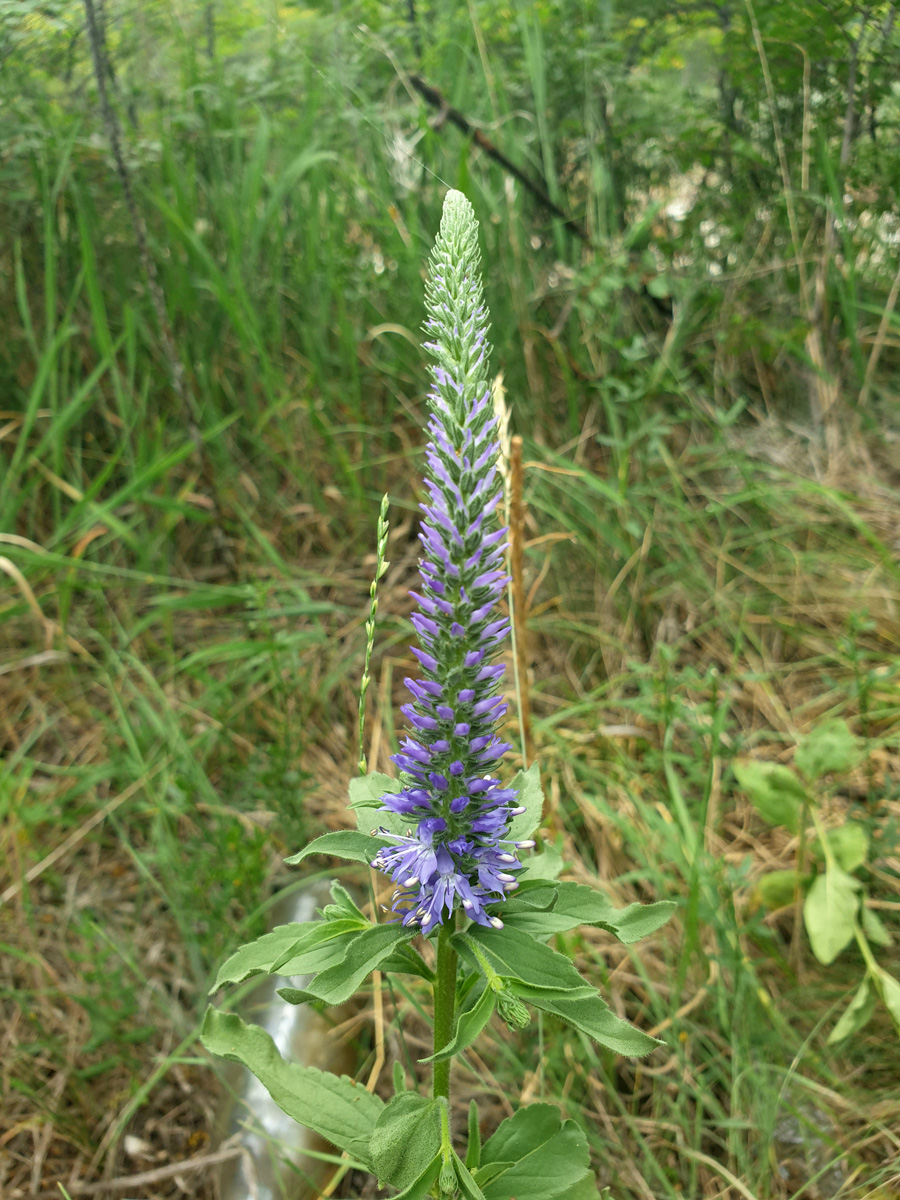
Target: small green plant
x=825, y=877
x=452, y=836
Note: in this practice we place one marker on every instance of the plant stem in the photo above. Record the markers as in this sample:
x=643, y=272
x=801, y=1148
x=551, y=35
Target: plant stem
x=444, y=1004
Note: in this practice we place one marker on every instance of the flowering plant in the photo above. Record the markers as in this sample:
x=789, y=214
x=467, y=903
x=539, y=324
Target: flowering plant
x=450, y=835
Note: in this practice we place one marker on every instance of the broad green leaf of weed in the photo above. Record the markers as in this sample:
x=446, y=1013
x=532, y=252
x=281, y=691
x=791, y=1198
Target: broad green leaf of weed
x=828, y=749
x=849, y=844
x=855, y=1015
x=549, y=1156
x=829, y=913
x=776, y=792
x=777, y=889
x=875, y=929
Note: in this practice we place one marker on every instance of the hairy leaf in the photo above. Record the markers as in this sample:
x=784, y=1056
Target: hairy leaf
x=593, y=1016
x=339, y=1109
x=406, y=1138
x=577, y=904
x=346, y=843
x=517, y=955
x=469, y=1024
x=367, y=951
x=268, y=952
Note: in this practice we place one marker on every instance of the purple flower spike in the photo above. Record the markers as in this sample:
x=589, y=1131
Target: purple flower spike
x=458, y=855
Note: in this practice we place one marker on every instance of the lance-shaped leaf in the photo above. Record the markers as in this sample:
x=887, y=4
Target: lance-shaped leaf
x=549, y=1158
x=577, y=905
x=517, y=955
x=339, y=1109
x=406, y=1138
x=469, y=1189
x=593, y=1016
x=268, y=952
x=364, y=953
x=470, y=1023
x=346, y=843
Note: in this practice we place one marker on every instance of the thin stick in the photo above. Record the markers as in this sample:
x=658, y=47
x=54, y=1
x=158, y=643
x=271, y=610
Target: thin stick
x=878, y=344
x=520, y=636
x=145, y=1178
x=446, y=112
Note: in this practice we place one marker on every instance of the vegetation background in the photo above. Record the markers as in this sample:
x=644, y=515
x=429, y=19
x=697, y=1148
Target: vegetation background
x=215, y=218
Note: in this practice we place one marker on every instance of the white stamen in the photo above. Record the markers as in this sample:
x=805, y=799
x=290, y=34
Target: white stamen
x=467, y=904
x=506, y=857
x=496, y=922
x=517, y=812
x=506, y=878
x=526, y=845
x=411, y=882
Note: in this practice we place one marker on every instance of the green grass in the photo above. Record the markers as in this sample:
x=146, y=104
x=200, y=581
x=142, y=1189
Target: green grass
x=186, y=581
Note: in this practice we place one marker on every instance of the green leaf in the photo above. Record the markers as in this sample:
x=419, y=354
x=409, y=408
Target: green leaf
x=829, y=913
x=517, y=955
x=546, y=865
x=890, y=994
x=530, y=796
x=365, y=800
x=776, y=792
x=593, y=1016
x=576, y=904
x=549, y=1156
x=320, y=956
x=344, y=903
x=346, y=843
x=776, y=889
x=406, y=1138
x=270, y=950
x=849, y=844
x=469, y=1024
x=828, y=749
x=875, y=929
x=339, y=1109
x=855, y=1015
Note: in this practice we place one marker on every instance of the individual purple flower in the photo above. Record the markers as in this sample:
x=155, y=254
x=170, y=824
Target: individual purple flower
x=456, y=854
